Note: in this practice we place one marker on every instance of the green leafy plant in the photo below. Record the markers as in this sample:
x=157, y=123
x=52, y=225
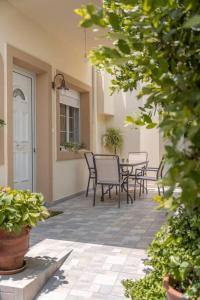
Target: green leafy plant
x=175, y=251
x=148, y=288
x=113, y=139
x=156, y=43
x=73, y=146
x=20, y=208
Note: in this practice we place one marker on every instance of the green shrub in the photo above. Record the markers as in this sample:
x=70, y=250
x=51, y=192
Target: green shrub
x=20, y=208
x=175, y=251
x=148, y=288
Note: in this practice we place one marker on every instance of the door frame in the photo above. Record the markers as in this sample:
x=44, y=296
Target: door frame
x=31, y=75
x=43, y=103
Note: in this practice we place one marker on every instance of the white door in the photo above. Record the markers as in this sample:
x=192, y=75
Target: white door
x=23, y=131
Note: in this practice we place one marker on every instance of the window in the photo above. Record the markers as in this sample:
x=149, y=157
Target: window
x=69, y=118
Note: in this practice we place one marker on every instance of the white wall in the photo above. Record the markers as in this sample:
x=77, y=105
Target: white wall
x=19, y=31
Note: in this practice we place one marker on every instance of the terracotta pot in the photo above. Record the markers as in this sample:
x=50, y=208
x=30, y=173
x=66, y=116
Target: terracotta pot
x=13, y=247
x=172, y=294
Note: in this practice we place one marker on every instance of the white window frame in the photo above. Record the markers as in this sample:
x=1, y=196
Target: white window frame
x=70, y=98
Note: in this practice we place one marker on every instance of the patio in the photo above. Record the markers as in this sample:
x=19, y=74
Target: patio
x=108, y=245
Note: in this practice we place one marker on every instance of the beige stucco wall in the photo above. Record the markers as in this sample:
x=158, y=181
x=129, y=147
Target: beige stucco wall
x=149, y=141
x=112, y=111
x=125, y=104
x=18, y=30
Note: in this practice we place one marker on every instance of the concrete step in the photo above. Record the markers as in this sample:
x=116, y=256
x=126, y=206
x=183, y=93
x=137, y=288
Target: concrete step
x=42, y=260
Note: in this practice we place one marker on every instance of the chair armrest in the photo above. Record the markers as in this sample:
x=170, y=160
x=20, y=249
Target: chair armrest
x=151, y=169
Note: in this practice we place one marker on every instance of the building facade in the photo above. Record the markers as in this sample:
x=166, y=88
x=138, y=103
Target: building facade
x=41, y=120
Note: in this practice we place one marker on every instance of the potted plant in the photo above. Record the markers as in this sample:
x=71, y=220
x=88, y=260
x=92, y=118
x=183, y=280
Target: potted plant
x=171, y=293
x=19, y=212
x=113, y=139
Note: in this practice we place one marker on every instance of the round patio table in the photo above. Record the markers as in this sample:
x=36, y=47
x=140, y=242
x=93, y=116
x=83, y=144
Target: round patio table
x=130, y=172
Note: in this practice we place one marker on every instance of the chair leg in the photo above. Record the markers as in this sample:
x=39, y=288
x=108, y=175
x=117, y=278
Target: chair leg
x=102, y=193
x=143, y=186
x=135, y=189
x=116, y=190
x=127, y=194
x=140, y=189
x=94, y=198
x=88, y=185
x=109, y=191
x=93, y=182
x=119, y=198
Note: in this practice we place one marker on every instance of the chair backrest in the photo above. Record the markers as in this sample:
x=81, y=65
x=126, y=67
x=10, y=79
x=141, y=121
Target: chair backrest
x=107, y=169
x=89, y=157
x=137, y=157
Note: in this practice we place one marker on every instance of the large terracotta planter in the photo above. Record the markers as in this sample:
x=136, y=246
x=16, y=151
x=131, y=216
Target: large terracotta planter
x=13, y=247
x=172, y=294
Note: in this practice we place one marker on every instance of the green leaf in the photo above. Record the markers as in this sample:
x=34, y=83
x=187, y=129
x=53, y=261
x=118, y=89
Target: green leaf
x=123, y=46
x=151, y=125
x=86, y=23
x=114, y=20
x=147, y=6
x=129, y=120
x=147, y=118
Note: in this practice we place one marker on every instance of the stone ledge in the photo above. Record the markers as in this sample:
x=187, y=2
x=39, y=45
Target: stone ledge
x=43, y=260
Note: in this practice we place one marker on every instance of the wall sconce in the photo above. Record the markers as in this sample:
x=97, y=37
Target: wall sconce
x=60, y=85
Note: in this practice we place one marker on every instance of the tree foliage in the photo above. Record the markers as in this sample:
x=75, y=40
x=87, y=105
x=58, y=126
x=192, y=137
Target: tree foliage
x=157, y=43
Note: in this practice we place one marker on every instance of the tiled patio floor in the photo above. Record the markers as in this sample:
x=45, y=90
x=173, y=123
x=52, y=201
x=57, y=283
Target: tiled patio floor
x=108, y=245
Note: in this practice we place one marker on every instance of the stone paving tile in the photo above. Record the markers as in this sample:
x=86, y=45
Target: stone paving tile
x=108, y=246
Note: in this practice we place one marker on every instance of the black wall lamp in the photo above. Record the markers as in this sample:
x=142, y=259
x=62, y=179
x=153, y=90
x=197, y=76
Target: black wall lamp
x=59, y=84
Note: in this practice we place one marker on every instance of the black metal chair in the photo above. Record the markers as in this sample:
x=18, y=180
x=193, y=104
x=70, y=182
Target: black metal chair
x=89, y=157
x=144, y=176
x=108, y=174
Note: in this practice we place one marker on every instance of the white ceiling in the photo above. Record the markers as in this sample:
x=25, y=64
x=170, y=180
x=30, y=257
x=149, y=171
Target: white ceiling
x=58, y=18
